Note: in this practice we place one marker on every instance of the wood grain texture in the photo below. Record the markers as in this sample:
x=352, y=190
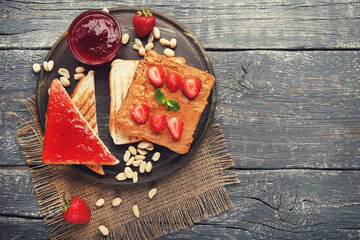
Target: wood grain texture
x=231, y=24
x=272, y=116
x=22, y=228
x=271, y=204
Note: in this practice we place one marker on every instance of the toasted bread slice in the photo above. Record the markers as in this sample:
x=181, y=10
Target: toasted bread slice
x=142, y=91
x=68, y=137
x=83, y=97
x=120, y=79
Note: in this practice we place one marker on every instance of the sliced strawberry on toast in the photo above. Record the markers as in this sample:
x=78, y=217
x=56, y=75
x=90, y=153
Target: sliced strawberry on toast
x=68, y=138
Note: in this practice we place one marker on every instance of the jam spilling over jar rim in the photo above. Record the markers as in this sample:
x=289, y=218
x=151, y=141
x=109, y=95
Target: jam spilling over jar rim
x=74, y=27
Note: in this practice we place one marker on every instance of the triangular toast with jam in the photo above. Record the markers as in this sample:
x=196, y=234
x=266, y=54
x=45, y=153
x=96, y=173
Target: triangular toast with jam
x=68, y=138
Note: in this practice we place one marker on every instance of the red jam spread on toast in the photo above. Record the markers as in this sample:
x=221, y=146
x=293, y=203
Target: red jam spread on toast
x=68, y=138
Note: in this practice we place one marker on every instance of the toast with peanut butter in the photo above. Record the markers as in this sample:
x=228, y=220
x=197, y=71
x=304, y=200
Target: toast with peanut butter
x=120, y=78
x=142, y=91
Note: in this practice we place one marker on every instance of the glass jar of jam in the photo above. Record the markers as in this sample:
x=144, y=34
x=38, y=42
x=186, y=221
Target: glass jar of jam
x=94, y=37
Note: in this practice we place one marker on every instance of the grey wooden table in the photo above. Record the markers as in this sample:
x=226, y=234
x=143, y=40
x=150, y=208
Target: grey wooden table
x=288, y=80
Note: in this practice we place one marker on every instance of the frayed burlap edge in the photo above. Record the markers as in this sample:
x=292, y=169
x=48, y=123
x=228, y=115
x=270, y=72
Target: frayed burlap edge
x=181, y=215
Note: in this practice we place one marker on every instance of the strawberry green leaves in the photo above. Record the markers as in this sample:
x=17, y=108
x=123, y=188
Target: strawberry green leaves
x=171, y=104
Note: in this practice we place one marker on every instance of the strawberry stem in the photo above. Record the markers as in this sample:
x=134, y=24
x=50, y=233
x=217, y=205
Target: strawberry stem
x=67, y=203
x=145, y=12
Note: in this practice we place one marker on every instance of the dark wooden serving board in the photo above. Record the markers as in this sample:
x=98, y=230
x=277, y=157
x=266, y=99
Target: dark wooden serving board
x=187, y=46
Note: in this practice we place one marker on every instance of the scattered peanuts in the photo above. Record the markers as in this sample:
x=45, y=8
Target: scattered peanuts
x=142, y=51
x=149, y=46
x=127, y=156
x=138, y=42
x=156, y=156
x=78, y=76
x=132, y=150
x=148, y=166
x=173, y=42
x=140, y=157
x=100, y=202
x=142, y=151
x=65, y=81
x=45, y=65
x=50, y=65
x=105, y=10
x=136, y=47
x=137, y=163
x=64, y=72
x=125, y=38
x=135, y=177
x=116, y=202
x=131, y=160
x=104, y=230
x=156, y=32
x=142, y=167
x=169, y=53
x=36, y=67
x=128, y=172
x=121, y=177
x=152, y=193
x=80, y=69
x=164, y=42
x=136, y=211
x=150, y=38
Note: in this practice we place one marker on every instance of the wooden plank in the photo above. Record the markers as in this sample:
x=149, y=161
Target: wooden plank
x=272, y=116
x=230, y=24
x=22, y=228
x=290, y=109
x=271, y=204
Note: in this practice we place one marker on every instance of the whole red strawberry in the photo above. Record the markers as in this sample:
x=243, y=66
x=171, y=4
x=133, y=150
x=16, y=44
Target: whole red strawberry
x=76, y=211
x=143, y=22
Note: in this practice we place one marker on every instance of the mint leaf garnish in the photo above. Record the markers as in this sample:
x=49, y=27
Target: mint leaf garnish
x=160, y=97
x=172, y=104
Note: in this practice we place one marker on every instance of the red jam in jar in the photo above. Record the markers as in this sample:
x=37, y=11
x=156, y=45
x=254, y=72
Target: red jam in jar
x=94, y=37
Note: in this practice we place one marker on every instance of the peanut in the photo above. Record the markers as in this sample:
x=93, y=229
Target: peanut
x=136, y=211
x=135, y=177
x=80, y=69
x=64, y=72
x=50, y=65
x=131, y=160
x=125, y=38
x=36, y=67
x=142, y=167
x=100, y=202
x=156, y=156
x=128, y=172
x=78, y=76
x=169, y=53
x=173, y=43
x=149, y=46
x=151, y=38
x=142, y=51
x=164, y=42
x=104, y=230
x=116, y=202
x=120, y=177
x=140, y=157
x=136, y=47
x=64, y=81
x=142, y=151
x=132, y=149
x=137, y=163
x=138, y=42
x=156, y=32
x=148, y=166
x=152, y=193
x=46, y=66
x=127, y=156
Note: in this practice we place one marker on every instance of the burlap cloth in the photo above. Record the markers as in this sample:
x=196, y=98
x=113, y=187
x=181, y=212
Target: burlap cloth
x=189, y=195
